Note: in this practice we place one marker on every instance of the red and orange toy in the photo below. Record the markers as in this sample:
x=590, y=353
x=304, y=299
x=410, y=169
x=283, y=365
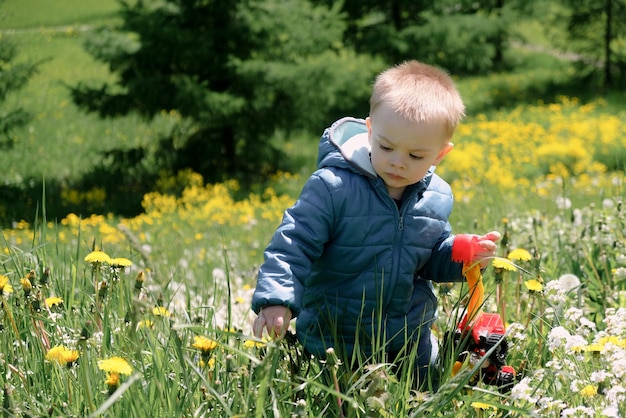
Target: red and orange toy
x=479, y=332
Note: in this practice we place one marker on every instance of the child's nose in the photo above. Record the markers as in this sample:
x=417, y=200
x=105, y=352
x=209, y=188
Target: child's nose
x=397, y=161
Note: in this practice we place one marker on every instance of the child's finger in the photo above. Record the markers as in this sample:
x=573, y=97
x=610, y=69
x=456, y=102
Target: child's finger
x=491, y=236
x=257, y=326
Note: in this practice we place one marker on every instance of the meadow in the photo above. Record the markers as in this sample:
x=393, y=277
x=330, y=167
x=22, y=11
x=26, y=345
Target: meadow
x=150, y=315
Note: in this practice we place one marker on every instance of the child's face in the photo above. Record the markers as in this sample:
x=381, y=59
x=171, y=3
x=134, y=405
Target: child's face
x=403, y=151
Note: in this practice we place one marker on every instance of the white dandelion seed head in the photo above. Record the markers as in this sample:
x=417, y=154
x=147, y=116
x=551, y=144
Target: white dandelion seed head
x=563, y=202
x=608, y=203
x=569, y=282
x=219, y=274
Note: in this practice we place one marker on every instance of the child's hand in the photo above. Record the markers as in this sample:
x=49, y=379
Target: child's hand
x=275, y=318
x=486, y=248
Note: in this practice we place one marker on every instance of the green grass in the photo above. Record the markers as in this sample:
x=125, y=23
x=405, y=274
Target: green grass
x=199, y=254
x=33, y=14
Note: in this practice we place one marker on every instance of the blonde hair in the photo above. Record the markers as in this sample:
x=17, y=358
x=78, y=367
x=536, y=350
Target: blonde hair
x=419, y=92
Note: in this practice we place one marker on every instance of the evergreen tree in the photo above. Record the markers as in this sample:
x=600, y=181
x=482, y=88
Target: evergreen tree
x=597, y=32
x=236, y=71
x=13, y=76
x=459, y=35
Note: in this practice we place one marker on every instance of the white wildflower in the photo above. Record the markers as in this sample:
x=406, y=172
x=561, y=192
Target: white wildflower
x=578, y=412
x=576, y=385
x=615, y=395
x=575, y=343
x=618, y=367
x=524, y=391
x=517, y=332
x=558, y=336
x=586, y=326
x=573, y=314
x=611, y=412
x=599, y=376
x=548, y=404
x=615, y=321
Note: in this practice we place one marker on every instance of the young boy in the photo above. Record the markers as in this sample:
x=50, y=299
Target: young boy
x=354, y=257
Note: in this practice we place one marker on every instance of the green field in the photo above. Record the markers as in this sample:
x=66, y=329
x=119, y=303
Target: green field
x=159, y=325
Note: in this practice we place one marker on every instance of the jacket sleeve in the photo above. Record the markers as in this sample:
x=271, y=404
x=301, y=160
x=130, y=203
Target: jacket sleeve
x=440, y=267
x=294, y=249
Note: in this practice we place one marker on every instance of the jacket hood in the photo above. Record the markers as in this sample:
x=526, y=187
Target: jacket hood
x=346, y=145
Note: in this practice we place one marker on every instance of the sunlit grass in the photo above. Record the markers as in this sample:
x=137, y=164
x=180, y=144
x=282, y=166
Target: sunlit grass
x=194, y=258
x=169, y=335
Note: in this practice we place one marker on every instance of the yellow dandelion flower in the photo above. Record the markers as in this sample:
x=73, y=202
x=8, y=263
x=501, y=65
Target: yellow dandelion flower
x=594, y=348
x=112, y=380
x=27, y=286
x=255, y=344
x=204, y=344
x=520, y=254
x=612, y=339
x=504, y=264
x=482, y=406
x=533, y=285
x=53, y=301
x=161, y=311
x=589, y=391
x=240, y=300
x=5, y=287
x=115, y=365
x=97, y=257
x=209, y=364
x=62, y=355
x=120, y=262
x=146, y=323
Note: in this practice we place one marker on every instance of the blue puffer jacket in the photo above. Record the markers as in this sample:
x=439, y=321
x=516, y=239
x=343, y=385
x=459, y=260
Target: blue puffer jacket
x=353, y=268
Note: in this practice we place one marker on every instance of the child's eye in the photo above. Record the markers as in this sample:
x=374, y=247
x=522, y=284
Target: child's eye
x=384, y=148
x=416, y=157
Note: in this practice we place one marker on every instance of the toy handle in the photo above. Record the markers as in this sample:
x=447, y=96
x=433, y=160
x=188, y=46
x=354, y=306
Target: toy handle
x=463, y=250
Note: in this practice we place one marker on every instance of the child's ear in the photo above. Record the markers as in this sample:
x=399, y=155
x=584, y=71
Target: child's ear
x=368, y=123
x=444, y=151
